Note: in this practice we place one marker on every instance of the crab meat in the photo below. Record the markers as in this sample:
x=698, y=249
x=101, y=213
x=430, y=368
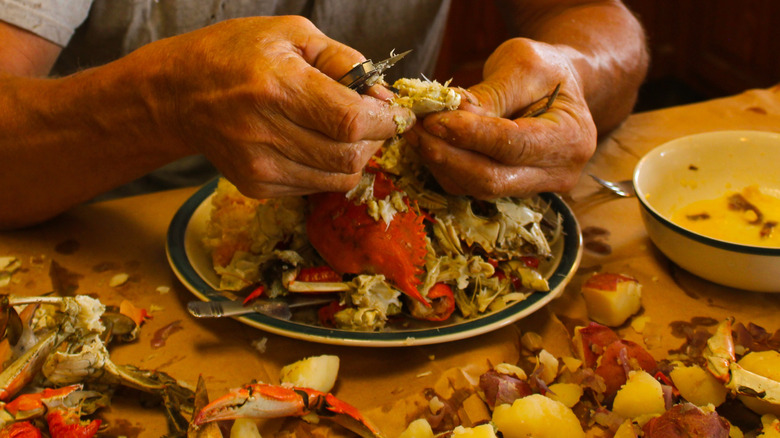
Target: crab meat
x=424, y=96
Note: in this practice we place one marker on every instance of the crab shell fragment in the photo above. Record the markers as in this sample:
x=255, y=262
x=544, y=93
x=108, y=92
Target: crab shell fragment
x=261, y=400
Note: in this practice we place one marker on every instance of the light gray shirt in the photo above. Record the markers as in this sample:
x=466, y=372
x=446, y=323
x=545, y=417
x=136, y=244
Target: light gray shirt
x=94, y=32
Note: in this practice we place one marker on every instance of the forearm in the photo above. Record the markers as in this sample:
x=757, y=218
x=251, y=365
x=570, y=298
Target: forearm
x=66, y=140
x=605, y=43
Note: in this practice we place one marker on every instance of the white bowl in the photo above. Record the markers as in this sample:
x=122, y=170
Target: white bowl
x=707, y=166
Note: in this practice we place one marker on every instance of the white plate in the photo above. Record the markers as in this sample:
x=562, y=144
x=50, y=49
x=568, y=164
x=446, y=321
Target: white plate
x=192, y=265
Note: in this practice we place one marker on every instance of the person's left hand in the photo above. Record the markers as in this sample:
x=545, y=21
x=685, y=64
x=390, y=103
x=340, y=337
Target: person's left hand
x=487, y=149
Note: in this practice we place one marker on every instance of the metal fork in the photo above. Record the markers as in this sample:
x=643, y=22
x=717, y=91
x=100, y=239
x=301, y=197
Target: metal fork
x=624, y=188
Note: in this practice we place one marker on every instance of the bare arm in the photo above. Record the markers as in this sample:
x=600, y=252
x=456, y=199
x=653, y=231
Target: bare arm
x=255, y=96
x=25, y=54
x=593, y=49
x=602, y=39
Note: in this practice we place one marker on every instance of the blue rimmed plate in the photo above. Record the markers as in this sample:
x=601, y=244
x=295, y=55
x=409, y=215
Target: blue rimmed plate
x=192, y=265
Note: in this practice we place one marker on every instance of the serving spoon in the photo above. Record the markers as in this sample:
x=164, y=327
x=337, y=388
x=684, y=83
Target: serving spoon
x=623, y=188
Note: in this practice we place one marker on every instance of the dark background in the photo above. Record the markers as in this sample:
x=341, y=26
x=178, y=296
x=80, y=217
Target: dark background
x=700, y=49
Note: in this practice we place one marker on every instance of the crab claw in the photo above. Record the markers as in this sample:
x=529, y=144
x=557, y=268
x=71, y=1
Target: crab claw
x=720, y=352
x=261, y=400
x=722, y=363
x=258, y=400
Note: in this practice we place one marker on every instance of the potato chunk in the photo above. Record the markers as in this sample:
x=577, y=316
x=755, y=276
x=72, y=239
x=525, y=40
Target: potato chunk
x=419, y=428
x=244, y=428
x=537, y=416
x=481, y=431
x=770, y=426
x=641, y=395
x=698, y=386
x=567, y=393
x=316, y=372
x=767, y=364
x=611, y=298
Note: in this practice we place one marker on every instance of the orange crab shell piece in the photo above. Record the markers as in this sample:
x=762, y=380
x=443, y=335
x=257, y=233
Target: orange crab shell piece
x=352, y=242
x=29, y=404
x=261, y=400
x=20, y=429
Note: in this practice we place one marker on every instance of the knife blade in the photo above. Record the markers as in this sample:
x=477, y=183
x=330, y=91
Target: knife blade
x=276, y=308
x=367, y=73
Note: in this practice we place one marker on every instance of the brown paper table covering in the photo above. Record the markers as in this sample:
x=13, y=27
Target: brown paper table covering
x=97, y=241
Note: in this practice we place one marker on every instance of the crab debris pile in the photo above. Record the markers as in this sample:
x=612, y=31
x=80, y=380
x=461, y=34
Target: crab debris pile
x=394, y=243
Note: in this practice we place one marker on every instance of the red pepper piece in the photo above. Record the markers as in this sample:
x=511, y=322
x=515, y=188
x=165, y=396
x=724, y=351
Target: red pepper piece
x=319, y=274
x=530, y=261
x=257, y=293
x=442, y=302
x=326, y=314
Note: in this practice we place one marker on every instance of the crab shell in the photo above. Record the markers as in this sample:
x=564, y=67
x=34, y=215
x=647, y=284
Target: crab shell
x=352, y=242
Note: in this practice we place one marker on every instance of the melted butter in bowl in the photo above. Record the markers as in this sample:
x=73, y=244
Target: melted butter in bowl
x=706, y=199
x=748, y=217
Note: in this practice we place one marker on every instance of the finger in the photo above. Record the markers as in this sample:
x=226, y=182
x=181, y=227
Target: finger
x=317, y=101
x=511, y=142
x=313, y=149
x=276, y=176
x=463, y=172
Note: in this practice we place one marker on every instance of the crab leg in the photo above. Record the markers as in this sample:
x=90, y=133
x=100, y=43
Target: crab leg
x=722, y=363
x=23, y=369
x=260, y=400
x=62, y=408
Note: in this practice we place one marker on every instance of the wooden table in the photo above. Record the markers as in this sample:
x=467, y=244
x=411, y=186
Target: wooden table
x=95, y=242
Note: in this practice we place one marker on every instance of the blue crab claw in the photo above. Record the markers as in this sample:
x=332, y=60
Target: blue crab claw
x=261, y=400
x=722, y=363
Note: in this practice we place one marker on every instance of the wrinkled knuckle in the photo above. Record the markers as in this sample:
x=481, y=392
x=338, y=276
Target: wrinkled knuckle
x=297, y=21
x=351, y=127
x=490, y=188
x=344, y=183
x=567, y=182
x=583, y=151
x=351, y=160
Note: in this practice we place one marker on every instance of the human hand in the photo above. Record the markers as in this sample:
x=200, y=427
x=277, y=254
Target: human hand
x=487, y=149
x=258, y=98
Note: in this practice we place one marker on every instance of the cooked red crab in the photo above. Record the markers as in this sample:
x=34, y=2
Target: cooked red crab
x=353, y=242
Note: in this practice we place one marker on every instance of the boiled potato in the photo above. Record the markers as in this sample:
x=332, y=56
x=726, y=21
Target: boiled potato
x=641, y=395
x=611, y=298
x=419, y=428
x=770, y=427
x=698, y=386
x=481, y=431
x=316, y=372
x=567, y=393
x=550, y=364
x=537, y=416
x=626, y=430
x=767, y=364
x=244, y=428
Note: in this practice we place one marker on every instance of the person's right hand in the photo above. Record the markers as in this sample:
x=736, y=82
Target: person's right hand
x=259, y=98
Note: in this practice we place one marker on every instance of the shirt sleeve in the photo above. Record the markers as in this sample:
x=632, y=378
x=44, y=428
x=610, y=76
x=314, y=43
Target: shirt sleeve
x=54, y=20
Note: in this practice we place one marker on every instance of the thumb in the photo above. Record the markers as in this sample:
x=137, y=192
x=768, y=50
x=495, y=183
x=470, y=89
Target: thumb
x=330, y=56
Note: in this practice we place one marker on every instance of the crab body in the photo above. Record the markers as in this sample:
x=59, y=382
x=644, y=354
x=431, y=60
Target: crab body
x=353, y=242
